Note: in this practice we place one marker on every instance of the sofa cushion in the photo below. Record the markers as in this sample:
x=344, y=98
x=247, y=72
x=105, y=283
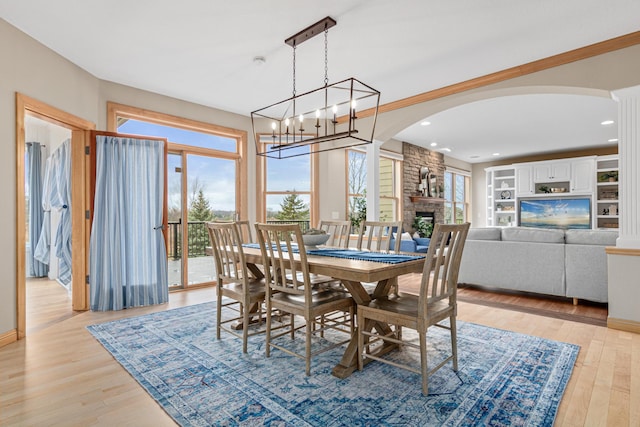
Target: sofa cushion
x=536, y=235
x=591, y=237
x=422, y=241
x=483, y=234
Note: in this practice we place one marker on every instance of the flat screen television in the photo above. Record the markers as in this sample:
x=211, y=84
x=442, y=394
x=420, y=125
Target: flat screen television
x=561, y=212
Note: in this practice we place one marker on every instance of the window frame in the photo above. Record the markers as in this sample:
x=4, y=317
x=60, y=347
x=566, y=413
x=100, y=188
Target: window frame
x=261, y=184
x=396, y=165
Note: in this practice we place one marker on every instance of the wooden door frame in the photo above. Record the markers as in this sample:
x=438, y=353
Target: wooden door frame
x=80, y=295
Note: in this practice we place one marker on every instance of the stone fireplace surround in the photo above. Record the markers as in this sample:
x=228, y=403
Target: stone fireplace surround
x=414, y=158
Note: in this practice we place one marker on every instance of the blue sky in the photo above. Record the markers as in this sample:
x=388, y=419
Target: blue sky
x=217, y=176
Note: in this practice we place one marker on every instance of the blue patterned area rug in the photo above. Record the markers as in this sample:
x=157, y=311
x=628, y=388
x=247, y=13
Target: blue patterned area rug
x=504, y=378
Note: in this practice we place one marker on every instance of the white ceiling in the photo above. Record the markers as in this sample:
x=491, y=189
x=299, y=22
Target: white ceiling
x=202, y=50
x=512, y=126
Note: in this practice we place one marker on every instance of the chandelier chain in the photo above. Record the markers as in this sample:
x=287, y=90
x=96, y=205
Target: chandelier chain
x=294, y=69
x=326, y=56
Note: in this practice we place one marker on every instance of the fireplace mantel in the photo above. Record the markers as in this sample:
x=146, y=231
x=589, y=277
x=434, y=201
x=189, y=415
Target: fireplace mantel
x=422, y=199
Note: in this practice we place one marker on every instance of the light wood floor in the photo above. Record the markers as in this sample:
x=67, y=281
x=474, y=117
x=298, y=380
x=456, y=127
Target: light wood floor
x=60, y=375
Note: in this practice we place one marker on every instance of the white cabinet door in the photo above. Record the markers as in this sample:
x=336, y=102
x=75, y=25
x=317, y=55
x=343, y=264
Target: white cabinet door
x=552, y=171
x=524, y=181
x=582, y=176
x=561, y=171
x=541, y=172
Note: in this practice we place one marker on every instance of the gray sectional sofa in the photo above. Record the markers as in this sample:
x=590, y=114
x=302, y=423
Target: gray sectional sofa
x=569, y=263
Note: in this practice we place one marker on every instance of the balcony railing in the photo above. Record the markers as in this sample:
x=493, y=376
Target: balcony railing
x=304, y=224
x=198, y=237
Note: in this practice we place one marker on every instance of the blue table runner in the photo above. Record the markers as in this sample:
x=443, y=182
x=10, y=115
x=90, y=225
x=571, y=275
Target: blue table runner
x=383, y=257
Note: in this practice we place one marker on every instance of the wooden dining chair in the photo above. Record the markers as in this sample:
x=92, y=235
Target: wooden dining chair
x=338, y=230
x=376, y=235
x=290, y=290
x=247, y=293
x=435, y=303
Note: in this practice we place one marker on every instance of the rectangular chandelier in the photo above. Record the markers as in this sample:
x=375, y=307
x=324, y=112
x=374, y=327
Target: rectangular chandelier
x=325, y=118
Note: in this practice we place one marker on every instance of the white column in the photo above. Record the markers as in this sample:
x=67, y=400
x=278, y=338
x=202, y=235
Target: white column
x=623, y=261
x=629, y=163
x=373, y=181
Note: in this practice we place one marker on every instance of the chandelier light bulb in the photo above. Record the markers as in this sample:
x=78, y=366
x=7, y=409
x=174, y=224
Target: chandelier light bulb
x=353, y=113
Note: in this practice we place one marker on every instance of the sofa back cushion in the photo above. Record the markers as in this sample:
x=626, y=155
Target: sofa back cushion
x=483, y=234
x=591, y=237
x=536, y=235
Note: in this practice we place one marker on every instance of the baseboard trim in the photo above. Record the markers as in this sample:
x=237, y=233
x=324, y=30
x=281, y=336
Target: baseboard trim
x=8, y=337
x=623, y=325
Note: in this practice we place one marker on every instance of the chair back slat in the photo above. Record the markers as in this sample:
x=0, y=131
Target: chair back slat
x=339, y=232
x=376, y=235
x=442, y=263
x=244, y=227
x=227, y=251
x=282, y=246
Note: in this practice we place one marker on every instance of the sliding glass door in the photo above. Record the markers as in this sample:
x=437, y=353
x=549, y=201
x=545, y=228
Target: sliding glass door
x=202, y=188
x=174, y=219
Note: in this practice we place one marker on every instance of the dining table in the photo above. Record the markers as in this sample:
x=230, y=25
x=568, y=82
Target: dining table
x=354, y=272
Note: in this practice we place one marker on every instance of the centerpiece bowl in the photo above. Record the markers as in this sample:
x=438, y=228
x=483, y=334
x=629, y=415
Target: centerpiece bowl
x=311, y=241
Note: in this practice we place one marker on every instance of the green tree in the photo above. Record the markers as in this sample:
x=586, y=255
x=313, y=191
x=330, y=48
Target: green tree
x=359, y=211
x=200, y=210
x=293, y=208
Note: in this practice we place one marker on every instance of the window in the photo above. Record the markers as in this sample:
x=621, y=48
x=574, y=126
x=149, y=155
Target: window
x=389, y=202
x=456, y=196
x=356, y=186
x=174, y=134
x=389, y=179
x=288, y=188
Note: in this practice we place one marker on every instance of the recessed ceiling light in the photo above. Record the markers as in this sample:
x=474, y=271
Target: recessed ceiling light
x=613, y=140
x=433, y=144
x=425, y=123
x=607, y=122
x=495, y=154
x=448, y=150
